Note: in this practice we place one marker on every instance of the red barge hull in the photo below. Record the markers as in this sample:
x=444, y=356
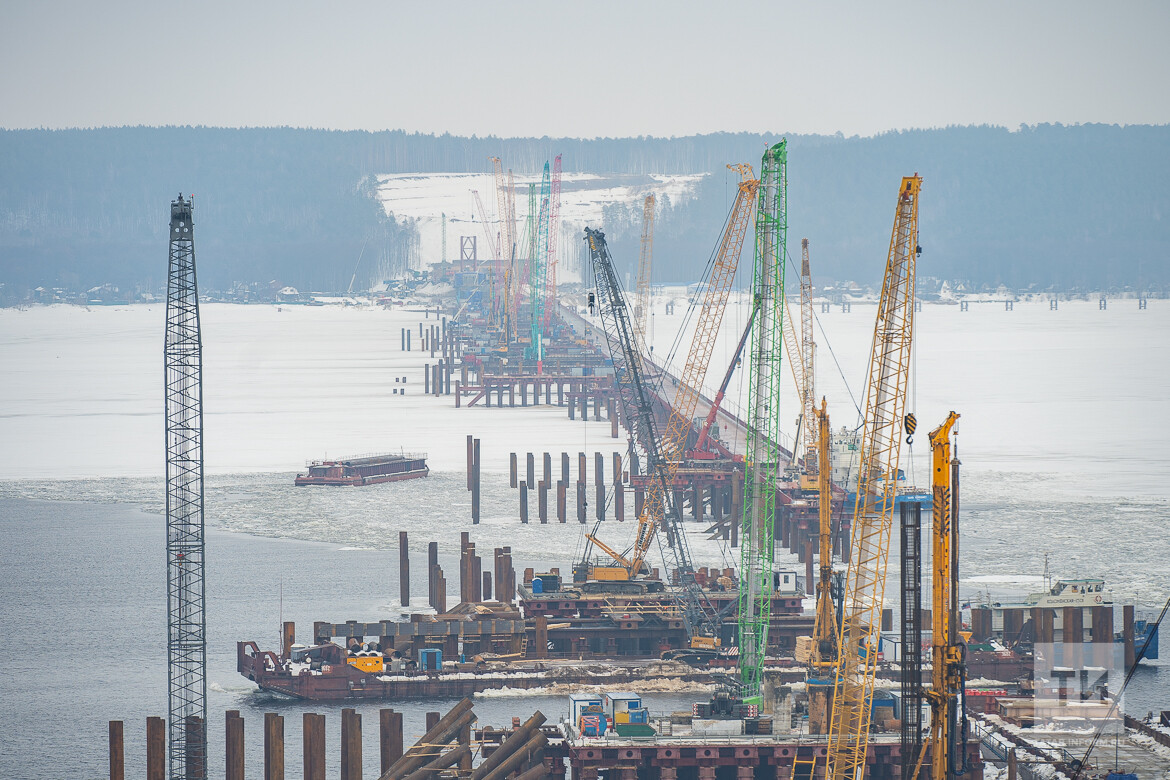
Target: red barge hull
x=344, y=681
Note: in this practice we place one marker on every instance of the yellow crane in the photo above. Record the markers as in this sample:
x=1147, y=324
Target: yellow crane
x=825, y=638
x=645, y=260
x=946, y=677
x=690, y=382
x=881, y=444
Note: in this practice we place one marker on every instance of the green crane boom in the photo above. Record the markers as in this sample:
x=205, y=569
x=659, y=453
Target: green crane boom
x=763, y=443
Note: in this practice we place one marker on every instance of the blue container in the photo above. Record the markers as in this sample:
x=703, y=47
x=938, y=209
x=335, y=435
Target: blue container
x=430, y=659
x=537, y=585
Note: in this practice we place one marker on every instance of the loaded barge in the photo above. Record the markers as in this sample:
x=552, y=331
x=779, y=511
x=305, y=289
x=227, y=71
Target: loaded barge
x=364, y=470
x=559, y=638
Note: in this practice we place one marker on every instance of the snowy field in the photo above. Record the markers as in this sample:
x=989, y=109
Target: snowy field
x=424, y=197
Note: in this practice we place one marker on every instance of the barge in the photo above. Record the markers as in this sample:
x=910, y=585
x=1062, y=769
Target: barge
x=330, y=672
x=1072, y=611
x=364, y=470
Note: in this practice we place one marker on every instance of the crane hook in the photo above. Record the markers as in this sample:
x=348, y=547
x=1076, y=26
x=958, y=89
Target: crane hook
x=911, y=423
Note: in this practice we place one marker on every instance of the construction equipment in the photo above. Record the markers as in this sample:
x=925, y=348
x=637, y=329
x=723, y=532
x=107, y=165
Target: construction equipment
x=700, y=451
x=757, y=551
x=689, y=385
x=801, y=352
x=699, y=617
x=946, y=678
x=522, y=278
x=808, y=357
x=539, y=274
x=504, y=242
x=493, y=246
x=825, y=638
x=554, y=223
x=642, y=319
x=186, y=589
x=881, y=444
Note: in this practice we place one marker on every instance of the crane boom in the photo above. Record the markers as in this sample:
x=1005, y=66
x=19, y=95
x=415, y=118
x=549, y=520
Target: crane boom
x=808, y=388
x=698, y=614
x=795, y=352
x=946, y=678
x=825, y=625
x=881, y=440
x=510, y=282
x=690, y=382
x=539, y=277
x=713, y=412
x=801, y=352
x=554, y=217
x=492, y=238
x=645, y=263
x=494, y=246
x=522, y=277
x=757, y=551
x=504, y=240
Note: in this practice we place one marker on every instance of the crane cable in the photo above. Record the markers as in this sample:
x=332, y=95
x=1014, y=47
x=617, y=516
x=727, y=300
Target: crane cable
x=693, y=305
x=837, y=363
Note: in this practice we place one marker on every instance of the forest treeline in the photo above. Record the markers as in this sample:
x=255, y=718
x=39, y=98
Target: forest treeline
x=1070, y=207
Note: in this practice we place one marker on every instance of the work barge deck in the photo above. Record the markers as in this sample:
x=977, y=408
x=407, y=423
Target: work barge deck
x=457, y=744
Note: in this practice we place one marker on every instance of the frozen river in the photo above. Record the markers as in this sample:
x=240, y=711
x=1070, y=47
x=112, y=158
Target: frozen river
x=1062, y=442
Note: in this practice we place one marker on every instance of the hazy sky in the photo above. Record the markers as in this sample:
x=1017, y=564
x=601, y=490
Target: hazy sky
x=585, y=68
